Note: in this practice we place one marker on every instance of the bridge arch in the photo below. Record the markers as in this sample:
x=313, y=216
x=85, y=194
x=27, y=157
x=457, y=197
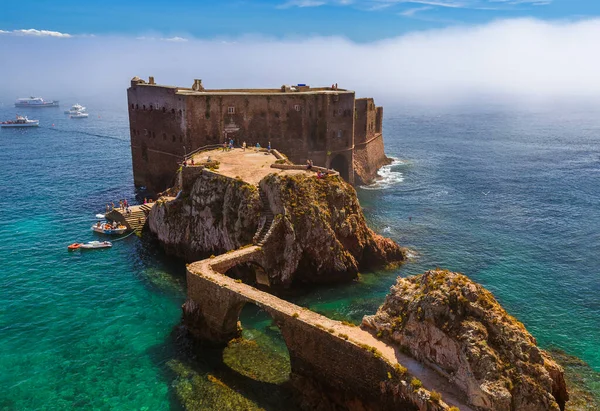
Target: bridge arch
x=262, y=352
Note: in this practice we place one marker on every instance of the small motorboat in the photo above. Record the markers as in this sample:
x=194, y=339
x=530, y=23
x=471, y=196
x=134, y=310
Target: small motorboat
x=95, y=244
x=75, y=108
x=79, y=114
x=74, y=246
x=100, y=216
x=20, y=121
x=106, y=228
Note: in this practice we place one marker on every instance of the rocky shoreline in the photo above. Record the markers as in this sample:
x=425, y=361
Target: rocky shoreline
x=313, y=231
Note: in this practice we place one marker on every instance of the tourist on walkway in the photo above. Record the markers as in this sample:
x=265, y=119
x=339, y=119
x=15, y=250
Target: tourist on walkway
x=244, y=146
x=257, y=147
x=269, y=147
x=225, y=145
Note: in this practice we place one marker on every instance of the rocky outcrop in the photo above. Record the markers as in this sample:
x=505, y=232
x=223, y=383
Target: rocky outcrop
x=445, y=320
x=216, y=215
x=318, y=232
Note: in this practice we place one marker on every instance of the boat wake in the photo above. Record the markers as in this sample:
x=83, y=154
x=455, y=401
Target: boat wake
x=389, y=176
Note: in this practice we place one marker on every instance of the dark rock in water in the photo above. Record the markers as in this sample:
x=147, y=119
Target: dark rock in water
x=446, y=320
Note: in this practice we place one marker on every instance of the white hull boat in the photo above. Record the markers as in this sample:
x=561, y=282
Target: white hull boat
x=108, y=229
x=35, y=102
x=95, y=244
x=79, y=115
x=75, y=108
x=21, y=121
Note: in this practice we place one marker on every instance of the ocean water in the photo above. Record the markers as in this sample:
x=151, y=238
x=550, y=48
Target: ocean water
x=509, y=196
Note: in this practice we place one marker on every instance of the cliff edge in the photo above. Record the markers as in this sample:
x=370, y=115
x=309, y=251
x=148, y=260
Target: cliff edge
x=455, y=325
x=318, y=232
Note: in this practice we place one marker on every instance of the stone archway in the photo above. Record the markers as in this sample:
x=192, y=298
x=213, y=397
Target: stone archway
x=340, y=164
x=250, y=272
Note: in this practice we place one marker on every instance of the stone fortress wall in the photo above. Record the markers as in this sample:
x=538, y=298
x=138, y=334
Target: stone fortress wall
x=327, y=125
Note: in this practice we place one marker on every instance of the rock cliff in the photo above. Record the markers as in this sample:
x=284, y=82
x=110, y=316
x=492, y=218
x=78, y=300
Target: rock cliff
x=215, y=215
x=319, y=233
x=445, y=320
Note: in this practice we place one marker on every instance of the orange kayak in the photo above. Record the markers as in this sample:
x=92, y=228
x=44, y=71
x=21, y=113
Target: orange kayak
x=74, y=246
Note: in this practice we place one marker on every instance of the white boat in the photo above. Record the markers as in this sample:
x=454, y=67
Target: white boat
x=106, y=228
x=35, y=102
x=95, y=244
x=75, y=108
x=79, y=114
x=20, y=121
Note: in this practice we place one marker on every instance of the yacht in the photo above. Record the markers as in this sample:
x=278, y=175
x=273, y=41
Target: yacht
x=35, y=102
x=79, y=114
x=20, y=121
x=75, y=108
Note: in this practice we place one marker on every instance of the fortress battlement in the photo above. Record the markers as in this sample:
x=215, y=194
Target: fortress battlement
x=327, y=125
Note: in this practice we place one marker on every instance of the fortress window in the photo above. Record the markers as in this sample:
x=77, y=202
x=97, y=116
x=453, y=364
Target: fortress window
x=164, y=136
x=340, y=111
x=173, y=138
x=277, y=114
x=172, y=111
x=164, y=109
x=179, y=111
x=340, y=133
x=132, y=106
x=145, y=131
x=144, y=107
x=297, y=107
x=151, y=108
x=230, y=110
x=153, y=134
x=137, y=107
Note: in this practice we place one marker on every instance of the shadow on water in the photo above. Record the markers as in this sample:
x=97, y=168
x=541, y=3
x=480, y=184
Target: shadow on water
x=251, y=373
x=244, y=375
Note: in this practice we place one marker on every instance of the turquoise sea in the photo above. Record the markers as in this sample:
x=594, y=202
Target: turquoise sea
x=509, y=196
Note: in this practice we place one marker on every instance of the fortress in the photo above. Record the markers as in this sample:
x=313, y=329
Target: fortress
x=327, y=125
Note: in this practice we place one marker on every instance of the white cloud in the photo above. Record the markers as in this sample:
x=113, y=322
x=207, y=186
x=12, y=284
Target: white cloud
x=415, y=10
x=517, y=58
x=384, y=4
x=36, y=33
x=302, y=3
x=175, y=39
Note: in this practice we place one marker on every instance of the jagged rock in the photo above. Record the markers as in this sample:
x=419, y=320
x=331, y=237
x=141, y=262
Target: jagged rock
x=218, y=214
x=319, y=233
x=446, y=320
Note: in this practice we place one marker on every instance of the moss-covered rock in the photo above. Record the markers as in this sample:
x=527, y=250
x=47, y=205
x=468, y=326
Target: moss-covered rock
x=445, y=319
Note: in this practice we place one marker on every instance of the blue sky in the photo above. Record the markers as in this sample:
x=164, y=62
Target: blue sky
x=358, y=20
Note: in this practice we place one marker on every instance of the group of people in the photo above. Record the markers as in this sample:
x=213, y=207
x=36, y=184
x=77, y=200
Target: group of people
x=320, y=174
x=185, y=162
x=123, y=207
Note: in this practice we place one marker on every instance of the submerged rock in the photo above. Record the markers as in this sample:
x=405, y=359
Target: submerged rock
x=455, y=325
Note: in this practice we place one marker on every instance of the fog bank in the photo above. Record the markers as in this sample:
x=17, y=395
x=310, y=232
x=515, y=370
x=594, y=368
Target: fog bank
x=505, y=60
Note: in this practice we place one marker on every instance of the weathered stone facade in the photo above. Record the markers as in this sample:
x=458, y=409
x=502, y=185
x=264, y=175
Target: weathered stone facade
x=327, y=125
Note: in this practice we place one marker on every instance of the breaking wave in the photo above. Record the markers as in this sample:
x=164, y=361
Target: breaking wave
x=389, y=176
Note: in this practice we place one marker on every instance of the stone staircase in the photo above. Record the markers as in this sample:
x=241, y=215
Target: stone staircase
x=137, y=218
x=261, y=235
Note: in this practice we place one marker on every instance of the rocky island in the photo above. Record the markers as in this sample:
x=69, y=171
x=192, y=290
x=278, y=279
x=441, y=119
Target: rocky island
x=251, y=223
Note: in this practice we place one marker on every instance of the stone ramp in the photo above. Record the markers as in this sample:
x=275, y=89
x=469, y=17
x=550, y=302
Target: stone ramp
x=345, y=337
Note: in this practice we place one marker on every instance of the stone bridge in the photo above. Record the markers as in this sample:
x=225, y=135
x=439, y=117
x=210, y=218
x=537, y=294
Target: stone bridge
x=343, y=363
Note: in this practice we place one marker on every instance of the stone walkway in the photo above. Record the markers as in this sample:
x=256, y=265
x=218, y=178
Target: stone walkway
x=213, y=267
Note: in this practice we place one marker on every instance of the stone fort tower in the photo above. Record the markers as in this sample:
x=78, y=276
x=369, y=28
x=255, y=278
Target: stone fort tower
x=327, y=125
